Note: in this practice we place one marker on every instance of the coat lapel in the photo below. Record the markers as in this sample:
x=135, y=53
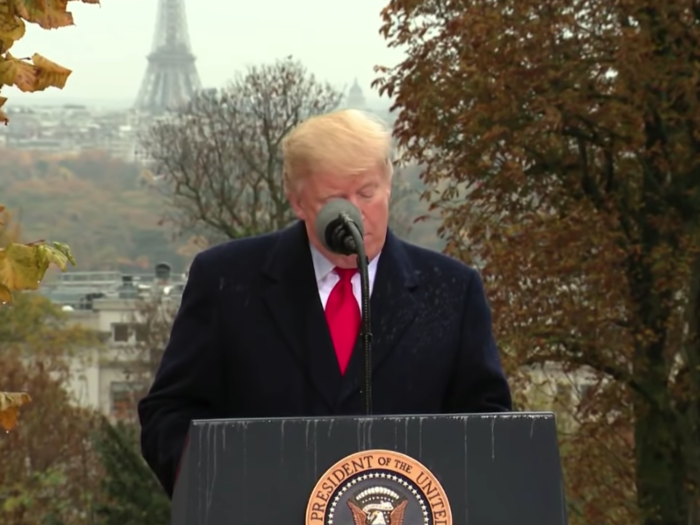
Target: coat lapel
x=393, y=307
x=293, y=300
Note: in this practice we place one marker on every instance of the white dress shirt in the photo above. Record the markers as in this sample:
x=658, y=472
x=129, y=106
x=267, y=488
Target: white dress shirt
x=326, y=278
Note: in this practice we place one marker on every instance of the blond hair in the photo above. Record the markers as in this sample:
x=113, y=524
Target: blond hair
x=344, y=142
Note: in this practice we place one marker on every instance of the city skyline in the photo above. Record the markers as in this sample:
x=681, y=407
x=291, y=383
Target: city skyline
x=108, y=70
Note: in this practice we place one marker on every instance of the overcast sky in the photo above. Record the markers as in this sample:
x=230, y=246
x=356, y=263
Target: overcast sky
x=337, y=40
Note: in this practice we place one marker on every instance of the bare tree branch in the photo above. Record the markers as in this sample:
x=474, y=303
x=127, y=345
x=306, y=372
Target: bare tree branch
x=218, y=159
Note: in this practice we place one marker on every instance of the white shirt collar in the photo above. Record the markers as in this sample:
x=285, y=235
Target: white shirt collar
x=323, y=267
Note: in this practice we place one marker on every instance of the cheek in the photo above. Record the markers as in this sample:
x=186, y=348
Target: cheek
x=375, y=214
x=304, y=207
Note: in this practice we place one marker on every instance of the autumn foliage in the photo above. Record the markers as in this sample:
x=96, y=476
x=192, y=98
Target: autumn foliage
x=565, y=140
x=23, y=266
x=37, y=73
x=48, y=470
x=99, y=205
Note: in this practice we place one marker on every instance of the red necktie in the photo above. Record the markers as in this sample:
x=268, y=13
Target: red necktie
x=343, y=316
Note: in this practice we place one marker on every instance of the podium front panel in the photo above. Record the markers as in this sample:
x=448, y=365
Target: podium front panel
x=500, y=469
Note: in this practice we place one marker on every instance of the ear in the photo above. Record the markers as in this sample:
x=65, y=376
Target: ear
x=295, y=203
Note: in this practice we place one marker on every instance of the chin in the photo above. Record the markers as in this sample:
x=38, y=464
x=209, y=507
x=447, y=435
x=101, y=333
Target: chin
x=345, y=261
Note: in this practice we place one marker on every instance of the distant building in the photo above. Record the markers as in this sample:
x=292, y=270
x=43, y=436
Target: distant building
x=71, y=129
x=104, y=378
x=355, y=98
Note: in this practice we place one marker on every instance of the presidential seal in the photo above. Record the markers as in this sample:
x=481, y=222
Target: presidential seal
x=378, y=487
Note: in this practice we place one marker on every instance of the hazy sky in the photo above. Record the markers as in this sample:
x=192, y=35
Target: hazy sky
x=337, y=40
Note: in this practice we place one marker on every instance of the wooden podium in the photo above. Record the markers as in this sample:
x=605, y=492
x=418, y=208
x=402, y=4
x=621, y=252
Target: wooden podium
x=486, y=469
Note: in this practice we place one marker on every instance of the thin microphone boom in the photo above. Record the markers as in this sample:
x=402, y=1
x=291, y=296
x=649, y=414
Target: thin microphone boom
x=366, y=330
x=339, y=227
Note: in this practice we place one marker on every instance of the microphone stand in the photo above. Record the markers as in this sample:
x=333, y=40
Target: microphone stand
x=366, y=326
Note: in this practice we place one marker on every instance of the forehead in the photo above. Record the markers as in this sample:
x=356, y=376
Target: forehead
x=336, y=182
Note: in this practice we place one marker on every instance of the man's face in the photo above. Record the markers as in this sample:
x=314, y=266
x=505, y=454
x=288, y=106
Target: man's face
x=369, y=191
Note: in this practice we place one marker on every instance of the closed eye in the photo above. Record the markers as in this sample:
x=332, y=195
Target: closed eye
x=368, y=193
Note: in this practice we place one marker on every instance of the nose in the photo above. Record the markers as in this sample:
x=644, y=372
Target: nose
x=354, y=199
x=356, y=202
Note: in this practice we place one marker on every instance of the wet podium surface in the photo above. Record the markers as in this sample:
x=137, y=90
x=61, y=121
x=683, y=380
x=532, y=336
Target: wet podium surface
x=500, y=469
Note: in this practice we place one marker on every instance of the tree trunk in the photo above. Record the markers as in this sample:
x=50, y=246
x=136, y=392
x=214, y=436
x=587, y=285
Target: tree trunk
x=694, y=512
x=661, y=472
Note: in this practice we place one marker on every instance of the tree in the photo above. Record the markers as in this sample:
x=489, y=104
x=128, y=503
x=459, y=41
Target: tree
x=22, y=266
x=97, y=204
x=17, y=261
x=565, y=140
x=49, y=473
x=403, y=196
x=131, y=493
x=38, y=73
x=152, y=318
x=410, y=217
x=218, y=159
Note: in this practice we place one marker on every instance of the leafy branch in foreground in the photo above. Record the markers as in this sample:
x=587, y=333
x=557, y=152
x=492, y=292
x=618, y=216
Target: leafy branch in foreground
x=36, y=73
x=22, y=267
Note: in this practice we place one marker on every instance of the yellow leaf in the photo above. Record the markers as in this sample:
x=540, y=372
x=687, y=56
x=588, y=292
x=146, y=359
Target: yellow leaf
x=48, y=14
x=9, y=408
x=49, y=73
x=58, y=254
x=12, y=28
x=18, y=73
x=30, y=77
x=20, y=268
x=7, y=13
x=5, y=295
x=22, y=8
x=56, y=15
x=5, y=120
x=23, y=266
x=64, y=249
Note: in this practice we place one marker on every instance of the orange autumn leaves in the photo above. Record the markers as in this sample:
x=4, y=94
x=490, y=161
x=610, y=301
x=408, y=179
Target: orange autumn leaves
x=10, y=402
x=560, y=149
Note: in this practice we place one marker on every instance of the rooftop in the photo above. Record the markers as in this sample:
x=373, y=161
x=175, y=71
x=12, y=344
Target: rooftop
x=78, y=290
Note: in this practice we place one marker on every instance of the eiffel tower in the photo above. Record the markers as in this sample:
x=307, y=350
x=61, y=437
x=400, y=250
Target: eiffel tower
x=171, y=76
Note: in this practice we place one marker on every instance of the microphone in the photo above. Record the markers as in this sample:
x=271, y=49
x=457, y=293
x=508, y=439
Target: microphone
x=339, y=227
